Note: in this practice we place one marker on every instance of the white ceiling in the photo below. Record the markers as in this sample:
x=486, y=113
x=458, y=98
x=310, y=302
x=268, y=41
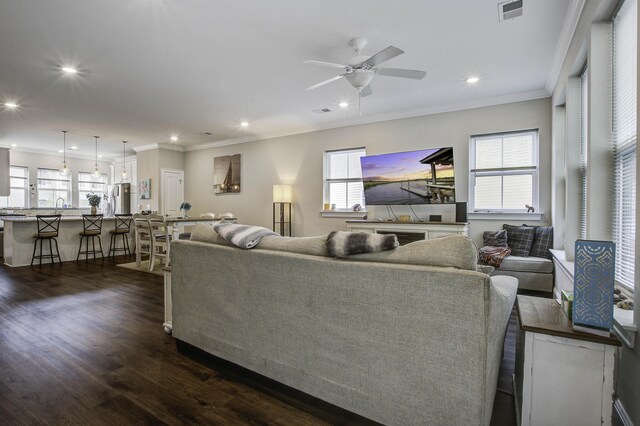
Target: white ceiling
x=153, y=68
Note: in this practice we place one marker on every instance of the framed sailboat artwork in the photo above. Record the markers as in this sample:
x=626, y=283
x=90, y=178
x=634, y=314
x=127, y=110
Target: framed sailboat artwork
x=226, y=174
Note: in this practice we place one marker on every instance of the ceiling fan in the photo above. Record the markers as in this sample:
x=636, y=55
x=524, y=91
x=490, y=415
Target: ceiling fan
x=360, y=69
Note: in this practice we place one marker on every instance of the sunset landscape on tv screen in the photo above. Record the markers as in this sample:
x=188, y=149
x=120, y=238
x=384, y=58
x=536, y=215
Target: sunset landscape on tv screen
x=412, y=177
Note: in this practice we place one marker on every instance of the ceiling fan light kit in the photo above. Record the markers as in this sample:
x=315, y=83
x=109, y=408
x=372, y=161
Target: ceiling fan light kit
x=360, y=69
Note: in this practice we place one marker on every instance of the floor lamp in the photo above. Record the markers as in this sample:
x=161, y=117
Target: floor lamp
x=282, y=209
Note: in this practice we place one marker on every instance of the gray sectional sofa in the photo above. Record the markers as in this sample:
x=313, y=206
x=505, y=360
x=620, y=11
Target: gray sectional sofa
x=533, y=273
x=397, y=343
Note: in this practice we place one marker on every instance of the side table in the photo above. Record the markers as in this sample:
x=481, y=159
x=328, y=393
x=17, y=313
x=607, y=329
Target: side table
x=562, y=377
x=167, y=300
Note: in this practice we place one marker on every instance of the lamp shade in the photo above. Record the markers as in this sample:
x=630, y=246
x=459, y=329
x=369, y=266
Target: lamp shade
x=281, y=193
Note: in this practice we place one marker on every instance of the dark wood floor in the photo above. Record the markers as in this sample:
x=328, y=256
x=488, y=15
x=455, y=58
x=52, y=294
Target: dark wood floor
x=83, y=344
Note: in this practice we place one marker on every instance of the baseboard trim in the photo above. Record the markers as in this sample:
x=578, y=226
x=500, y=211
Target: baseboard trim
x=622, y=413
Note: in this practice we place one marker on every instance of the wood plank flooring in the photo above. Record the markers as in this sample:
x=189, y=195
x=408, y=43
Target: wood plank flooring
x=83, y=343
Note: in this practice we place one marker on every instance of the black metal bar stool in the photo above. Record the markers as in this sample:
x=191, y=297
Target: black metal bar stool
x=48, y=226
x=92, y=228
x=122, y=229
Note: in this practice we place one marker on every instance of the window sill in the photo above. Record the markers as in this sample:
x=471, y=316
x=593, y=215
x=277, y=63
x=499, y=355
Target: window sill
x=505, y=215
x=624, y=326
x=345, y=213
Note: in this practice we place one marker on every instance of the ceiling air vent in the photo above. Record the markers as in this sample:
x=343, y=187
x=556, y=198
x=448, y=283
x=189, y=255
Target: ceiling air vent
x=510, y=9
x=321, y=110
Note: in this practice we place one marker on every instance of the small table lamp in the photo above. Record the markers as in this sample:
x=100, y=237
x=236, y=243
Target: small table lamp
x=282, y=202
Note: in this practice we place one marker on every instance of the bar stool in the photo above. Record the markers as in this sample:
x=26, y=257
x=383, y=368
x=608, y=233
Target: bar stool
x=48, y=226
x=92, y=228
x=123, y=227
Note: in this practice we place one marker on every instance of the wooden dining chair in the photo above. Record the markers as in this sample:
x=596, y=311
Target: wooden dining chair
x=142, y=236
x=160, y=239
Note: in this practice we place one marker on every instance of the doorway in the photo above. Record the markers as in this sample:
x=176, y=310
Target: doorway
x=172, y=191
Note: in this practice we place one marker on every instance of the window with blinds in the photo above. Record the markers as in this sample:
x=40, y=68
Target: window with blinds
x=624, y=140
x=343, y=178
x=504, y=172
x=90, y=184
x=53, y=187
x=19, y=189
x=584, y=114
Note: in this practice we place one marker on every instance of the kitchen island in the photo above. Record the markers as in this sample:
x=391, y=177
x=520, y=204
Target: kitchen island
x=19, y=237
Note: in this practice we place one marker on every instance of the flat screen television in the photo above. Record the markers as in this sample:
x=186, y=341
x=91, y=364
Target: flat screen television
x=412, y=177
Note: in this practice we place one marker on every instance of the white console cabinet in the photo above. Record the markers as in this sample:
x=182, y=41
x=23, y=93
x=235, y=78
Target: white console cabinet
x=420, y=230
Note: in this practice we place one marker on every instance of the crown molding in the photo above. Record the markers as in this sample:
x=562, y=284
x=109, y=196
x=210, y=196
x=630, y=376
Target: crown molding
x=161, y=145
x=566, y=36
x=59, y=154
x=454, y=106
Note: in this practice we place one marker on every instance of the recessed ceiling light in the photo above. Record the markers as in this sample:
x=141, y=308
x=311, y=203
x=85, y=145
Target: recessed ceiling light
x=73, y=147
x=473, y=80
x=100, y=156
x=14, y=145
x=174, y=138
x=60, y=151
x=70, y=70
x=11, y=105
x=343, y=104
x=245, y=124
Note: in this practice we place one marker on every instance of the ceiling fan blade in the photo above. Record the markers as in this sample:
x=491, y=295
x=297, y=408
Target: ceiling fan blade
x=366, y=91
x=383, y=56
x=322, y=83
x=326, y=64
x=398, y=72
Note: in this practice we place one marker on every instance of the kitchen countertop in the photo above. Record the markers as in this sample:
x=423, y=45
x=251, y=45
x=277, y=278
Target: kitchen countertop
x=69, y=218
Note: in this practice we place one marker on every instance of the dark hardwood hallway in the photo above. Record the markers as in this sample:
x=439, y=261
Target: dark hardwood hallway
x=83, y=344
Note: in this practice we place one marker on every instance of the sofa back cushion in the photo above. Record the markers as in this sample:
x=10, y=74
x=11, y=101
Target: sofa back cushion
x=520, y=239
x=454, y=251
x=315, y=246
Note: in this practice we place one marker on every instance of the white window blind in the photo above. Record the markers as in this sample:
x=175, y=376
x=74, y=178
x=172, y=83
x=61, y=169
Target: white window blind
x=584, y=114
x=19, y=189
x=87, y=184
x=343, y=178
x=53, y=186
x=624, y=138
x=504, y=171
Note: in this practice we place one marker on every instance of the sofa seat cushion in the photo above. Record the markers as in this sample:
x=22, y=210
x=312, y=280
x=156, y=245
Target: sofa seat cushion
x=527, y=264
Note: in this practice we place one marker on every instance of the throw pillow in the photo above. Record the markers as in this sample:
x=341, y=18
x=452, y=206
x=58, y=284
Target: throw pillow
x=495, y=239
x=205, y=234
x=520, y=239
x=342, y=244
x=542, y=242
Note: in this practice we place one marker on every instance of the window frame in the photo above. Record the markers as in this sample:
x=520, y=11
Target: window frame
x=326, y=181
x=81, y=192
x=25, y=188
x=69, y=191
x=534, y=171
x=622, y=149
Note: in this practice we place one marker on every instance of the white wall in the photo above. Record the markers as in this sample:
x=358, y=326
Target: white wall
x=35, y=161
x=298, y=160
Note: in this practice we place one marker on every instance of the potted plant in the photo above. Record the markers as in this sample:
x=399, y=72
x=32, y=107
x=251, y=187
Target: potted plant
x=94, y=202
x=186, y=206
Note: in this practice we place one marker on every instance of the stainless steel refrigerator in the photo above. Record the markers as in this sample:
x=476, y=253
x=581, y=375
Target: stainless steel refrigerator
x=121, y=198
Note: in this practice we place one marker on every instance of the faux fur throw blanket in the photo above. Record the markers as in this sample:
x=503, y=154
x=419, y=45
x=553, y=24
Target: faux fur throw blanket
x=493, y=256
x=243, y=236
x=341, y=244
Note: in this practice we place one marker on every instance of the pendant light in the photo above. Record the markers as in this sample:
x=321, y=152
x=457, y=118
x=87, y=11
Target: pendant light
x=96, y=171
x=64, y=170
x=124, y=170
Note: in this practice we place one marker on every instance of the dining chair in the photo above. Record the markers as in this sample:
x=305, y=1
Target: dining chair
x=142, y=236
x=160, y=240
